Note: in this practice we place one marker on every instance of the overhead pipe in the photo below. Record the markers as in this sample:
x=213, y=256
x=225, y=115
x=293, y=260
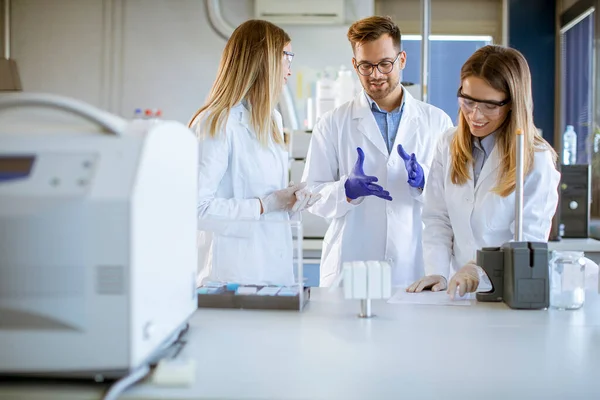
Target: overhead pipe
x=505, y=20
x=425, y=32
x=9, y=74
x=6, y=29
x=224, y=30
x=216, y=20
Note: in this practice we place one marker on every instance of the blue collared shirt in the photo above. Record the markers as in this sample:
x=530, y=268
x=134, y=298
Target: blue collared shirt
x=388, y=122
x=482, y=148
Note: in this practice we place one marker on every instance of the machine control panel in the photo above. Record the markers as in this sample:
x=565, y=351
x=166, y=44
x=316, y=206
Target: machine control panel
x=47, y=173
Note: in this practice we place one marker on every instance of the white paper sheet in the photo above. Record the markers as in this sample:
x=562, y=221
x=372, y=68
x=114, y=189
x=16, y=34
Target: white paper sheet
x=431, y=298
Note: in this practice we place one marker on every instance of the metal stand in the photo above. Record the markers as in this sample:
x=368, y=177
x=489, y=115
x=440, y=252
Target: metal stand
x=365, y=309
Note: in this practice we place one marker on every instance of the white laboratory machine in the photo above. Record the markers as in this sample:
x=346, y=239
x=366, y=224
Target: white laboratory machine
x=98, y=251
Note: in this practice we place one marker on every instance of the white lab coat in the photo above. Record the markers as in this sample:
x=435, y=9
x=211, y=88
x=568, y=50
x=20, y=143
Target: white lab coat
x=460, y=219
x=372, y=229
x=234, y=171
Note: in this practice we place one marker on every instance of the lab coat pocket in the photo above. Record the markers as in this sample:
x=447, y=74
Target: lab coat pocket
x=498, y=211
x=227, y=258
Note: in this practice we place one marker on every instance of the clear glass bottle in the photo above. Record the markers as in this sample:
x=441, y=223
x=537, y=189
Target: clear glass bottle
x=567, y=280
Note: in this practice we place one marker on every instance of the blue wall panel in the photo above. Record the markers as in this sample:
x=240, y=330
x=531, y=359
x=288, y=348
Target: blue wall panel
x=531, y=31
x=447, y=58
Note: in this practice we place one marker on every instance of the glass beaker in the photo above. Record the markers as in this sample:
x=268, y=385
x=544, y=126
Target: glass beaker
x=567, y=280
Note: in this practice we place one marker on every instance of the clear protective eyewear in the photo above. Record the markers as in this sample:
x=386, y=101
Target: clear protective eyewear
x=385, y=67
x=489, y=108
x=289, y=57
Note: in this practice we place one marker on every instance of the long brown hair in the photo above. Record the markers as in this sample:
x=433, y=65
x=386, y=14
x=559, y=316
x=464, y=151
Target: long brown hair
x=250, y=69
x=507, y=71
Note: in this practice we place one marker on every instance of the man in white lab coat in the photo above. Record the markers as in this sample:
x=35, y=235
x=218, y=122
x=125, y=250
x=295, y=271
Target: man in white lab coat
x=369, y=159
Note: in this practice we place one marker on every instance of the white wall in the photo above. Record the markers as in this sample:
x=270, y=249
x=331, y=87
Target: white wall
x=59, y=48
x=124, y=54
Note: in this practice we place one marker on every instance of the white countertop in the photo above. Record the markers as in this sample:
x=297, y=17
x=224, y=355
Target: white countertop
x=588, y=245
x=483, y=351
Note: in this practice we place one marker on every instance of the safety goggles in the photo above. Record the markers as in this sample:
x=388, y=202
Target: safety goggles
x=489, y=108
x=289, y=57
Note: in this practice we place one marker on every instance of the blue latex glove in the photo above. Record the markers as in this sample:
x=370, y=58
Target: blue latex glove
x=359, y=185
x=416, y=176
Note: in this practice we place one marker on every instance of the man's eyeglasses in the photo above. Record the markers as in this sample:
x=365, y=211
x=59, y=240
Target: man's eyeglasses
x=385, y=67
x=490, y=108
x=289, y=57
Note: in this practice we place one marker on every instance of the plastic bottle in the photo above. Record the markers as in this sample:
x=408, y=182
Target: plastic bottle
x=325, y=95
x=138, y=114
x=569, y=146
x=156, y=115
x=344, y=86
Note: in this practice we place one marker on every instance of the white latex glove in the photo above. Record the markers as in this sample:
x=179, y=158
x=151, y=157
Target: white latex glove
x=305, y=199
x=281, y=200
x=433, y=282
x=466, y=280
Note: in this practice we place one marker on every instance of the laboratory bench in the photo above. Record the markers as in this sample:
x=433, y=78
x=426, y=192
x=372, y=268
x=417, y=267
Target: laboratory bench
x=407, y=351
x=587, y=245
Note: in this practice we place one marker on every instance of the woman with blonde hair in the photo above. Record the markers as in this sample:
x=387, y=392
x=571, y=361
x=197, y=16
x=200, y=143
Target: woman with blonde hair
x=470, y=199
x=243, y=166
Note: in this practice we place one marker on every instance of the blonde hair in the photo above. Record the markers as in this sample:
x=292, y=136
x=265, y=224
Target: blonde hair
x=507, y=71
x=250, y=69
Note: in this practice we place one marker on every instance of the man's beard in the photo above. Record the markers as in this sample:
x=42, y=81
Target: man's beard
x=392, y=84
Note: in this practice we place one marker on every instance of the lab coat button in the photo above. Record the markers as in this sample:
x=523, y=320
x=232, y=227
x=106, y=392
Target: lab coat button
x=148, y=330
